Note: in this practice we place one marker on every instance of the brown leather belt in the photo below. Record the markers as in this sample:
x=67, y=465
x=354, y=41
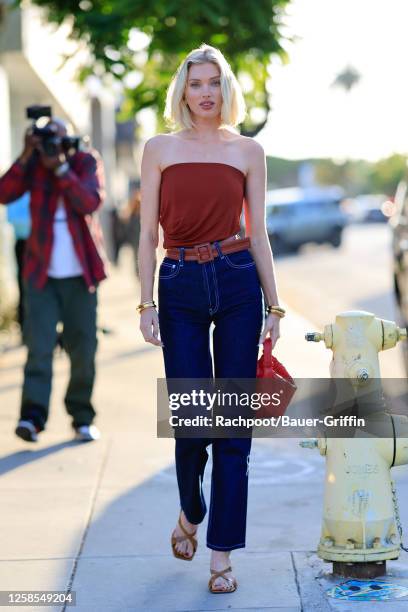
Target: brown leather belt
x=208, y=251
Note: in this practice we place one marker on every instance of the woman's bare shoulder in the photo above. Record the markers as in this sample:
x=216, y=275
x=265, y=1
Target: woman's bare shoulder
x=253, y=152
x=249, y=144
x=158, y=145
x=157, y=141
x=246, y=143
x=250, y=152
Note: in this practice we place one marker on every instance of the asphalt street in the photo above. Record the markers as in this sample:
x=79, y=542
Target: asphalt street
x=320, y=281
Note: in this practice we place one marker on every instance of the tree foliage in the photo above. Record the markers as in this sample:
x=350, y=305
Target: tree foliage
x=246, y=32
x=356, y=176
x=387, y=173
x=353, y=175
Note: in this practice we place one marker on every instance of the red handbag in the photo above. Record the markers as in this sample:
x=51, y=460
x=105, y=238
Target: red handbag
x=274, y=379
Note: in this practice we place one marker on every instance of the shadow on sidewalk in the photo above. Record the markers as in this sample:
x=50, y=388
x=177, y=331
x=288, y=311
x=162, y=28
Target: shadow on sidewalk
x=126, y=546
x=23, y=457
x=137, y=352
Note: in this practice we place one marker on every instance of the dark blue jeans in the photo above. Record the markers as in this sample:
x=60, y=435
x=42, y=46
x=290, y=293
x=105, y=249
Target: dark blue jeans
x=192, y=295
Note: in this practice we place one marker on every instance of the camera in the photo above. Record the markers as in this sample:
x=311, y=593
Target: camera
x=51, y=143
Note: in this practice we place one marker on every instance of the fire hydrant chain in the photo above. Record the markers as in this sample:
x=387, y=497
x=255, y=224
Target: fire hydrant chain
x=397, y=516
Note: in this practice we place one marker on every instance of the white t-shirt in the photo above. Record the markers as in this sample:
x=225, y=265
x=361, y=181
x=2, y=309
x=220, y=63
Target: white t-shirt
x=64, y=261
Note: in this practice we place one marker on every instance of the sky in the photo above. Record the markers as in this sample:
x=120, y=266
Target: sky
x=312, y=119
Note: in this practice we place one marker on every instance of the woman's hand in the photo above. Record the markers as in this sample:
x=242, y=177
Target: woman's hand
x=271, y=327
x=149, y=326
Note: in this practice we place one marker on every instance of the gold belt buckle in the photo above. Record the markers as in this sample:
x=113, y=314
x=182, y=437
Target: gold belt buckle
x=204, y=252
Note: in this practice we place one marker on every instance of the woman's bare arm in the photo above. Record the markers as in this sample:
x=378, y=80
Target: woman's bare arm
x=149, y=235
x=254, y=210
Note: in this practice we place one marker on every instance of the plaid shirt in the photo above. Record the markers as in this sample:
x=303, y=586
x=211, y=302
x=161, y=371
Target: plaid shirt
x=81, y=189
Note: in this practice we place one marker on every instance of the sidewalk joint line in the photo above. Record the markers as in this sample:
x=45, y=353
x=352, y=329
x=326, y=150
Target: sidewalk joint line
x=297, y=581
x=89, y=520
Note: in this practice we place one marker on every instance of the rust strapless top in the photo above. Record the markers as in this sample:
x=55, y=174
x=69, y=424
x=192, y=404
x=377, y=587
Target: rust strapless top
x=200, y=202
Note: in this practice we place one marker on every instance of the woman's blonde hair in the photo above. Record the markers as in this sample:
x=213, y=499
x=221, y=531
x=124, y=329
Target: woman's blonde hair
x=233, y=109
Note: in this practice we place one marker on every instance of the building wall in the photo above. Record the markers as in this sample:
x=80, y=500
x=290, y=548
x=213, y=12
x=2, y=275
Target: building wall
x=32, y=71
x=8, y=285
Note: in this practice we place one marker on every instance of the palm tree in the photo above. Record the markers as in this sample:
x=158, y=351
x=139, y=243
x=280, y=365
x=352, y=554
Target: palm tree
x=347, y=78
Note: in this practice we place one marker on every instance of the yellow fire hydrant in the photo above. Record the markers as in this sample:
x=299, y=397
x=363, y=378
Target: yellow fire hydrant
x=361, y=528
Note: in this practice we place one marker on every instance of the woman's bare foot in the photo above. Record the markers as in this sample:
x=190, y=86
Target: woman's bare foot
x=185, y=547
x=219, y=561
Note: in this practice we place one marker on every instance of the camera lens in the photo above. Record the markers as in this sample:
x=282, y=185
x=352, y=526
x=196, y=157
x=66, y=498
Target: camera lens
x=51, y=146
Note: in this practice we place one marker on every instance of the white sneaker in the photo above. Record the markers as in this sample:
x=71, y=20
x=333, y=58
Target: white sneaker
x=87, y=433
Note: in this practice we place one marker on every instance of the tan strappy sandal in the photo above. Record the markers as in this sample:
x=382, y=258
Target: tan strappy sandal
x=232, y=582
x=187, y=536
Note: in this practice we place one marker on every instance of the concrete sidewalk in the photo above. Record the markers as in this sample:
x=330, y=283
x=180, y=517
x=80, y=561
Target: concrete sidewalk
x=97, y=517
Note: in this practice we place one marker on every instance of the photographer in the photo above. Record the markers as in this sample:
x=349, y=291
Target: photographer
x=62, y=268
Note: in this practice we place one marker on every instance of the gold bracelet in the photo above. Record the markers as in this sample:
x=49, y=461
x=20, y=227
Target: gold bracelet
x=277, y=310
x=275, y=307
x=141, y=308
x=145, y=305
x=276, y=313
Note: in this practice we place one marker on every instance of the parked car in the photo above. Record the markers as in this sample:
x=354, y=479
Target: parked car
x=367, y=208
x=297, y=216
x=399, y=225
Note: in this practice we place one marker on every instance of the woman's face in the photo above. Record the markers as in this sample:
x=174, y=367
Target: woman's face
x=203, y=90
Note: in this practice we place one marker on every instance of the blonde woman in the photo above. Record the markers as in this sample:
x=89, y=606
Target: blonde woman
x=195, y=183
